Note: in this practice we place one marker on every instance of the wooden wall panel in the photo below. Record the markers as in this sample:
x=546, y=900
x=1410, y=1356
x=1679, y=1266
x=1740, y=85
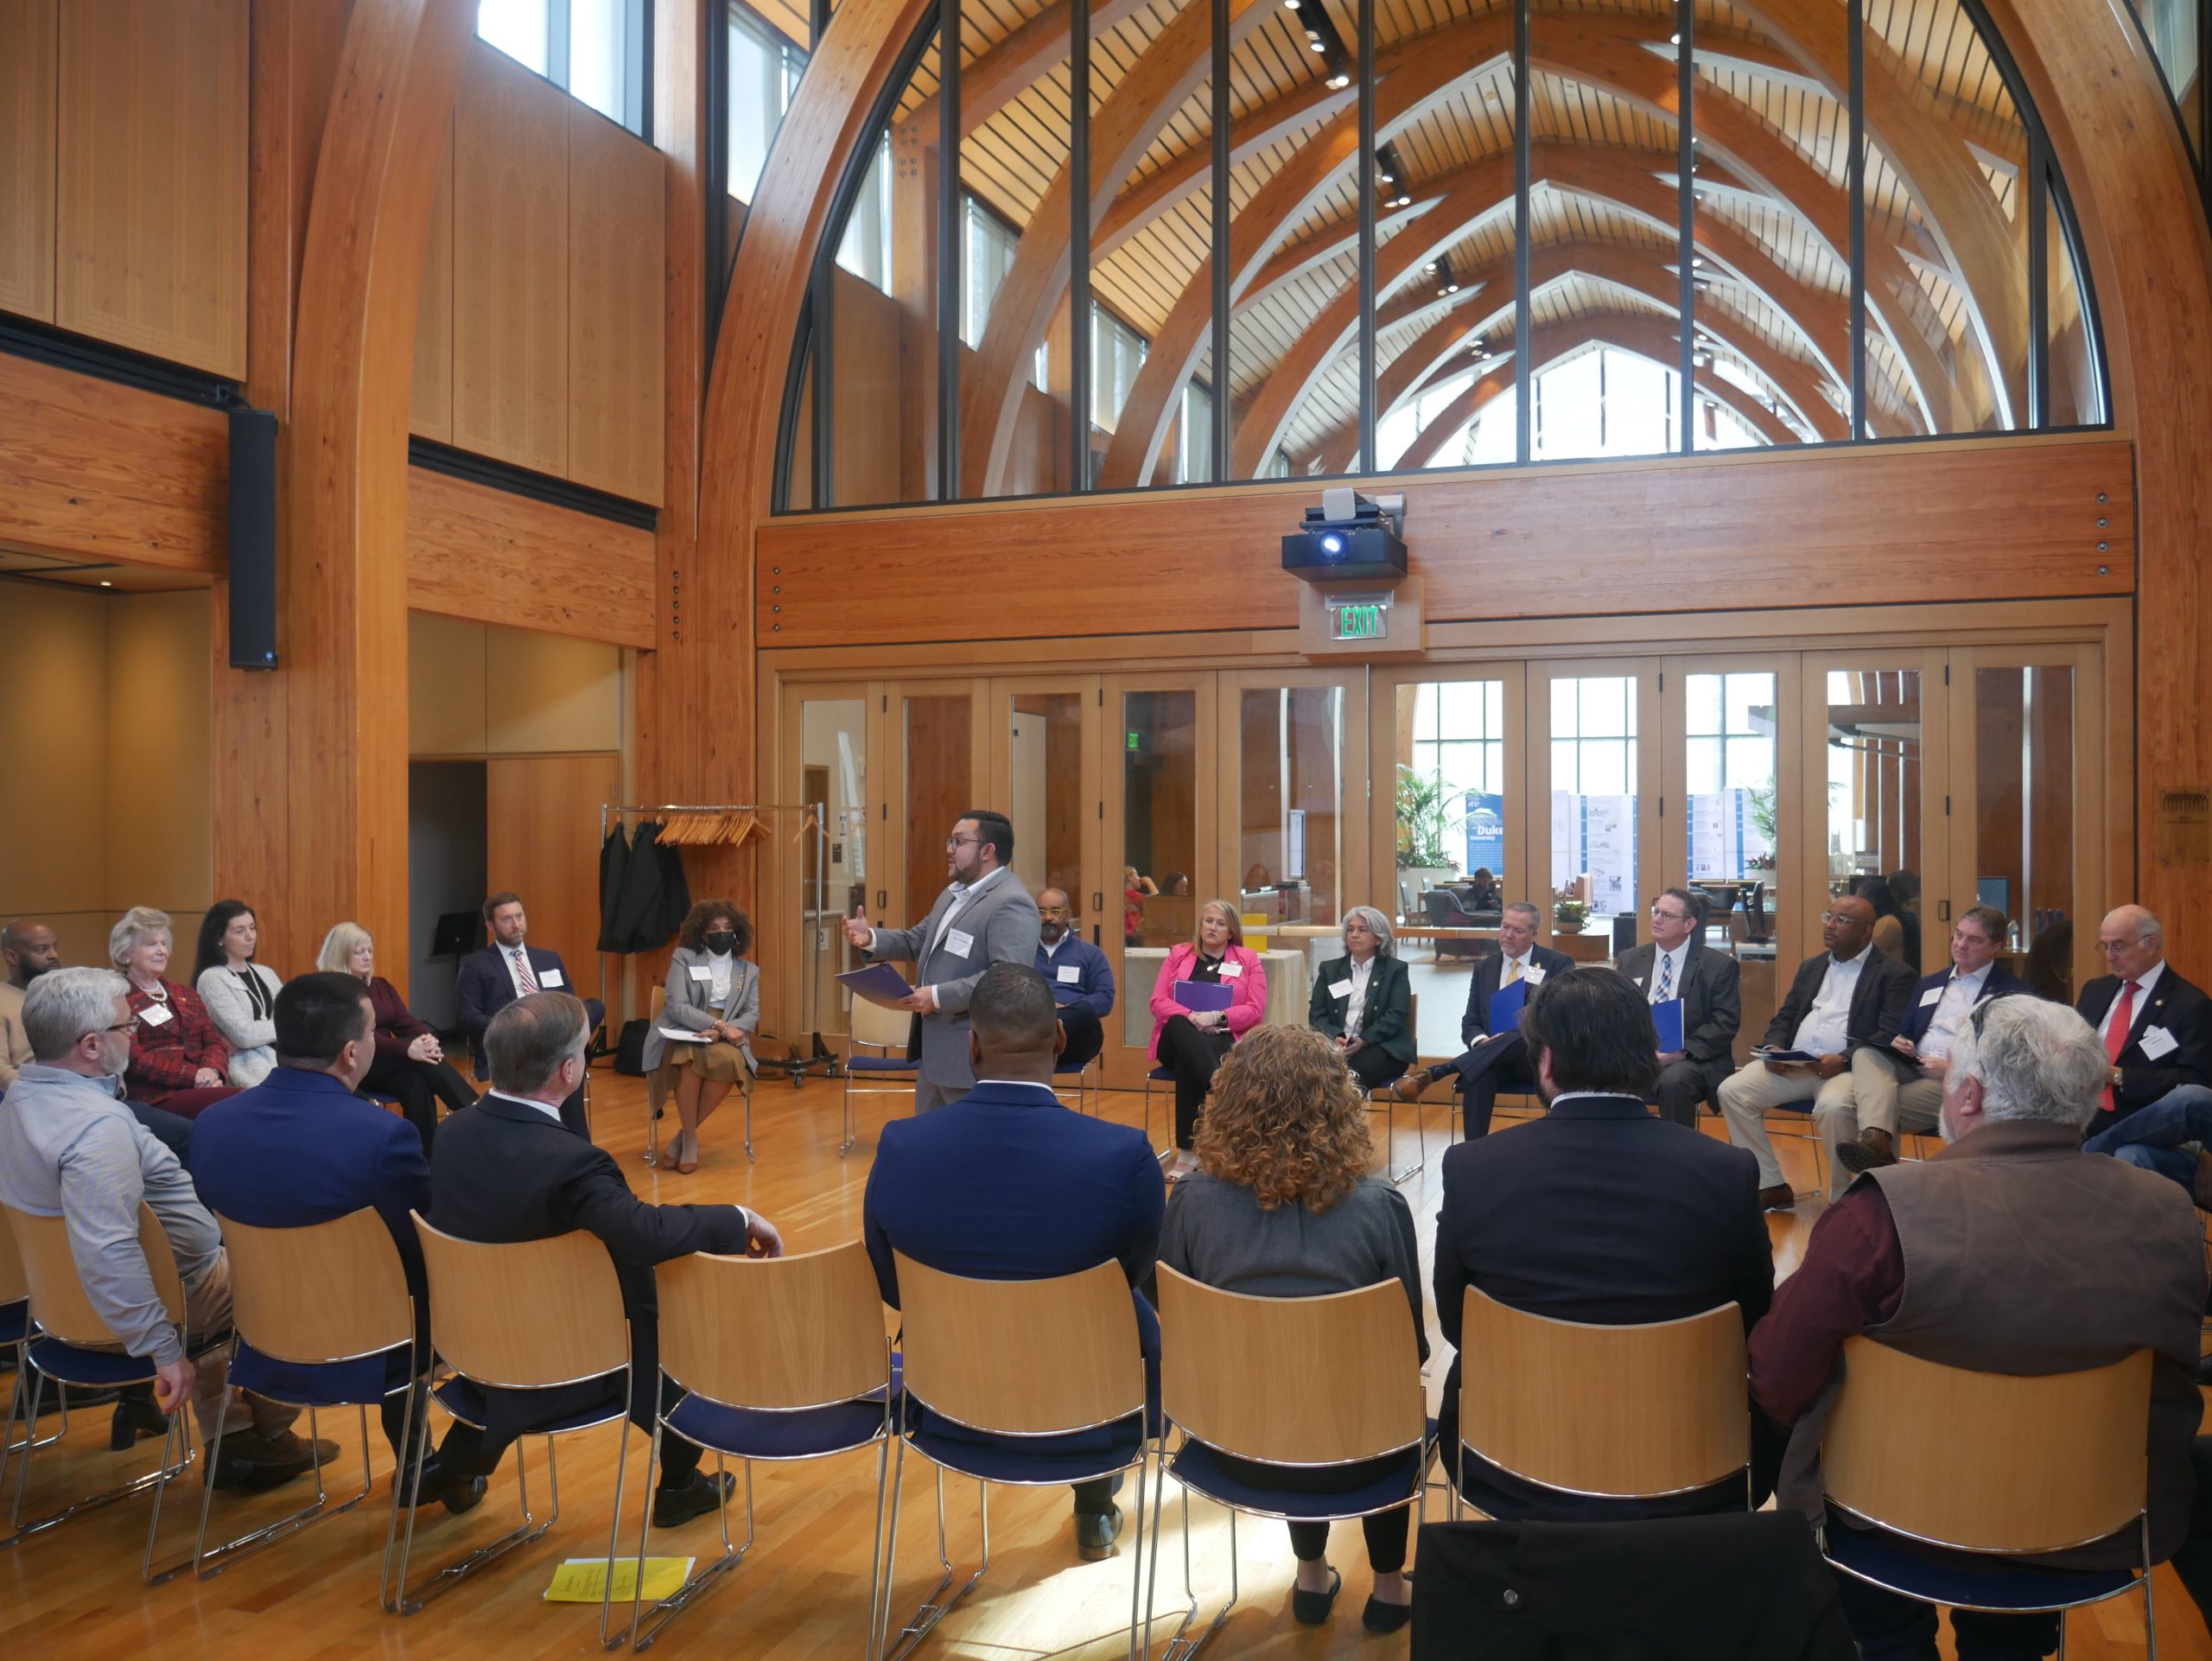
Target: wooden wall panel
x=431, y=405
x=28, y=69
x=502, y=558
x=151, y=178
x=510, y=264
x=617, y=254
x=1938, y=521
x=541, y=839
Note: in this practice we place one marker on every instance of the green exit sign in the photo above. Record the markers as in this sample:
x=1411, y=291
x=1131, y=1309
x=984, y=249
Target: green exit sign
x=1359, y=622
x=1133, y=741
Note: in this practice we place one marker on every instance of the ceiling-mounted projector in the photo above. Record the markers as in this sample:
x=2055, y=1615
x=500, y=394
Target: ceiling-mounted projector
x=1348, y=537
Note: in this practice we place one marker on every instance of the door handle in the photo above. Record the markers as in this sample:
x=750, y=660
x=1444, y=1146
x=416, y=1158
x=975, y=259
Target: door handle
x=1944, y=913
x=879, y=900
x=1098, y=903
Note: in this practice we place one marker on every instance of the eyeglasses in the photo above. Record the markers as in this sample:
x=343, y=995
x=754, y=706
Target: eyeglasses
x=2114, y=948
x=963, y=842
x=1669, y=916
x=1054, y=911
x=124, y=1027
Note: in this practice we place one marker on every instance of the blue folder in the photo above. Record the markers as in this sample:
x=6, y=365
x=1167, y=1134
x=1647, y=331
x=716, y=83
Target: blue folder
x=1667, y=1022
x=1506, y=1008
x=1205, y=995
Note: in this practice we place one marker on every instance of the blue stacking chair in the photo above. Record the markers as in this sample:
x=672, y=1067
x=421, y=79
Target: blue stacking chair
x=1942, y=1506
x=70, y=1345
x=15, y=1338
x=322, y=1318
x=534, y=1316
x=1237, y=1377
x=872, y=1027
x=780, y=1359
x=1159, y=1076
x=1001, y=1377
x=1086, y=1084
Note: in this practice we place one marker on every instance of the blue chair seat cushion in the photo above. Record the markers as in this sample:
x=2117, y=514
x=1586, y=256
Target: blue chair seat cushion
x=1200, y=1467
x=1046, y=1461
x=810, y=1432
x=1960, y=1578
x=15, y=1322
x=1498, y=1492
x=367, y=1379
x=881, y=1064
x=465, y=1400
x=94, y=1369
x=1070, y=1067
x=1161, y=1075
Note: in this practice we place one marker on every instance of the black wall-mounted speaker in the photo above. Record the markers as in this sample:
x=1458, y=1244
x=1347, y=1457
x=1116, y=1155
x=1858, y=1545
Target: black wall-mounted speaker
x=253, y=539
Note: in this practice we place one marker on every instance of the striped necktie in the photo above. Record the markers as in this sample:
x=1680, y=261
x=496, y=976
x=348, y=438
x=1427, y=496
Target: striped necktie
x=528, y=981
x=1666, y=977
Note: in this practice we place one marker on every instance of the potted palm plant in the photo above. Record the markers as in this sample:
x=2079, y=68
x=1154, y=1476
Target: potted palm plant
x=1428, y=808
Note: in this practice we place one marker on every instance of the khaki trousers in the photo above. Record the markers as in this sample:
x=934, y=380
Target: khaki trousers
x=1746, y=1095
x=1879, y=1101
x=207, y=1309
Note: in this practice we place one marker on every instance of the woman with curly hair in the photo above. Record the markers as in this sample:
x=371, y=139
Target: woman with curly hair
x=1282, y=1206
x=712, y=990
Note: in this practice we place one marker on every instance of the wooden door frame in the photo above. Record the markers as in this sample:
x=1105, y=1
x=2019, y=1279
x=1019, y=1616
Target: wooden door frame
x=1645, y=669
x=1356, y=681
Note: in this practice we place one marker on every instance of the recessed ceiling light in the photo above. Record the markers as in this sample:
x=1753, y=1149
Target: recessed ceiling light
x=1674, y=38
x=1697, y=259
x=1315, y=45
x=1290, y=5
x=105, y=583
x=1340, y=81
x=1430, y=267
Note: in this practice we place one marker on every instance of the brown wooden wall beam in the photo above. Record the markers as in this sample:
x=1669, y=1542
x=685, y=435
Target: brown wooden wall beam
x=498, y=558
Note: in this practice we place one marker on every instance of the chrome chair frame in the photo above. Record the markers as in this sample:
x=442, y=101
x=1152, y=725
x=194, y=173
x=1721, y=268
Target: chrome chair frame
x=908, y=1070
x=1086, y=1085
x=19, y=1383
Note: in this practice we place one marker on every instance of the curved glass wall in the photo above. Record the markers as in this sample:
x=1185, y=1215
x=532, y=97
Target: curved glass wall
x=1323, y=238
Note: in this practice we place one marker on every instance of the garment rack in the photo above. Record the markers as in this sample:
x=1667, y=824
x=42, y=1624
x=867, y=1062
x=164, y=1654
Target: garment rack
x=813, y=821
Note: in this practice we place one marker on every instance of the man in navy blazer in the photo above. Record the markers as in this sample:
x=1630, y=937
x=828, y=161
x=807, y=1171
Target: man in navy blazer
x=1493, y=1061
x=1598, y=1212
x=1005, y=1183
x=495, y=975
x=1081, y=978
x=1902, y=1083
x=301, y=1148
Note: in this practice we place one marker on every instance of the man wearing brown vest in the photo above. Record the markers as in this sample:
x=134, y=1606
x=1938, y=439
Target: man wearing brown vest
x=2098, y=1259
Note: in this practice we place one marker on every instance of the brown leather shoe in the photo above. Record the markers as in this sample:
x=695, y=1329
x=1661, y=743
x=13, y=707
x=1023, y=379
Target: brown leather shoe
x=1410, y=1085
x=1781, y=1197
x=1873, y=1148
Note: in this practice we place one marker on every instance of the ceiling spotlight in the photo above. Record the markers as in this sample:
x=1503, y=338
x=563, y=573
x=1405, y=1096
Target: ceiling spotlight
x=1674, y=38
x=105, y=583
x=1387, y=178
x=1451, y=288
x=1290, y=5
x=1314, y=43
x=1697, y=259
x=1339, y=81
x=1430, y=267
x=1403, y=201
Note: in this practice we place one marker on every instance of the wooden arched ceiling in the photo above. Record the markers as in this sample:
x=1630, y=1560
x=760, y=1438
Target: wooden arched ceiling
x=1946, y=265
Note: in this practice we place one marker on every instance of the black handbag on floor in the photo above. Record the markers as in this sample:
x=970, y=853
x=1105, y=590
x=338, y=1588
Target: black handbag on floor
x=630, y=1052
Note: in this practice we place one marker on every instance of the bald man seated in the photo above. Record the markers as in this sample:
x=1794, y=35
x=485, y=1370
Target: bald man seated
x=2156, y=1111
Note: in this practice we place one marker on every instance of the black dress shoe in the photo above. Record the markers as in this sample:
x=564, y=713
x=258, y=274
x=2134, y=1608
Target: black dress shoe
x=456, y=1493
x=1381, y=1616
x=1312, y=1608
x=696, y=1496
x=253, y=1461
x=1096, y=1533
x=135, y=1416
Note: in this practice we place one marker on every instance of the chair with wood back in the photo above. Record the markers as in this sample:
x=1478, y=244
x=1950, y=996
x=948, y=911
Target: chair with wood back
x=1381, y=1100
x=323, y=1318
x=872, y=1027
x=1015, y=1363
x=1656, y=1411
x=779, y=1359
x=70, y=1344
x=16, y=1337
x=1243, y=1377
x=2011, y=1467
x=535, y=1314
x=660, y=1083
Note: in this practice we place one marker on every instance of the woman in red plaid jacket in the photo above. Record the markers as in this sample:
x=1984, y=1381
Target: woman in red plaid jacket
x=178, y=1059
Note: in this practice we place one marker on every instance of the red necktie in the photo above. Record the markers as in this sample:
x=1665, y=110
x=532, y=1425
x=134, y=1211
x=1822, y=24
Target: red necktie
x=522, y=968
x=2123, y=1017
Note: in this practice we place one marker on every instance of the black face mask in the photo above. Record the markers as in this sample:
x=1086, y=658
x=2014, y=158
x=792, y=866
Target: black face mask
x=720, y=944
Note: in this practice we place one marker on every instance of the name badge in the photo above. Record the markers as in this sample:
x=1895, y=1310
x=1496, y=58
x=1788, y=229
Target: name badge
x=1933, y=995
x=1070, y=975
x=2155, y=1042
x=960, y=941
x=1533, y=975
x=1232, y=972
x=1339, y=989
x=701, y=972
x=159, y=1015
x=549, y=978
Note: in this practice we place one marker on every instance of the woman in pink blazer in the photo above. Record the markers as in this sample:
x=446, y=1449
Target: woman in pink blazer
x=1191, y=1043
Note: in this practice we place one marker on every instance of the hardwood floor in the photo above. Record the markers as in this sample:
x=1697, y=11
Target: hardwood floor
x=800, y=1592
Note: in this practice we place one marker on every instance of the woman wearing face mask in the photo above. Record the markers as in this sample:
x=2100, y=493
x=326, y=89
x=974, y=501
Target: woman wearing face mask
x=410, y=1062
x=712, y=990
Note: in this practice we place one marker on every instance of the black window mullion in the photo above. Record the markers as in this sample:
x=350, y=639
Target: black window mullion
x=1856, y=93
x=1222, y=123
x=950, y=250
x=1685, y=215
x=1366, y=187
x=2036, y=181
x=1080, y=367
x=1523, y=379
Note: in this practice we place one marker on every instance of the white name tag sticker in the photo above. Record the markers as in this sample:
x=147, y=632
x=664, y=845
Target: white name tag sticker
x=1933, y=995
x=1339, y=989
x=159, y=1015
x=1232, y=972
x=960, y=941
x=2155, y=1042
x=548, y=978
x=701, y=972
x=1533, y=975
x=1070, y=975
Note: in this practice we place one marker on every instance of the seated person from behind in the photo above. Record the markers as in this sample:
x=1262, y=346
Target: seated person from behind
x=494, y=977
x=1598, y=1212
x=1678, y=964
x=2009, y=1251
x=713, y=991
x=239, y=995
x=1502, y=1063
x=1282, y=1206
x=507, y=1170
x=1005, y=1183
x=1850, y=997
x=1190, y=1042
x=1082, y=979
x=301, y=1148
x=178, y=1059
x=2156, y=1027
x=1902, y=1086
x=410, y=1064
x=1363, y=1003
x=70, y=1148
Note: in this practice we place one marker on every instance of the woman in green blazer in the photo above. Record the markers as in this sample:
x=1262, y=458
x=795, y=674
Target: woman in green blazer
x=1363, y=1001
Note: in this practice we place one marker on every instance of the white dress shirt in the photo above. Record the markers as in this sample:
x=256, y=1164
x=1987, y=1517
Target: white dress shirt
x=1662, y=975
x=2144, y=982
x=1506, y=974
x=1356, y=1005
x=1823, y=1030
x=508, y=954
x=1960, y=994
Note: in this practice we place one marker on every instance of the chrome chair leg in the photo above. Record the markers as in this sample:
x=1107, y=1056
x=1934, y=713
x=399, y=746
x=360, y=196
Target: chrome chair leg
x=1183, y=1646
x=613, y=1526
x=1136, y=1576
x=926, y=1618
x=523, y=1534
x=746, y=1089
x=642, y=1636
x=158, y=1479
x=208, y=1564
x=412, y=1428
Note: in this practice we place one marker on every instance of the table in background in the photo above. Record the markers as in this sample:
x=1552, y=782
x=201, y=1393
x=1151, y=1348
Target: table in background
x=1289, y=986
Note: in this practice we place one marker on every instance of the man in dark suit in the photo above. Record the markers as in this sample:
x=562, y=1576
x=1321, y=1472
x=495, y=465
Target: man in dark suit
x=508, y=1169
x=1493, y=1061
x=1903, y=1084
x=1852, y=996
x=509, y=968
x=1597, y=1212
x=2156, y=1027
x=1082, y=979
x=1676, y=965
x=1005, y=1183
x=301, y=1148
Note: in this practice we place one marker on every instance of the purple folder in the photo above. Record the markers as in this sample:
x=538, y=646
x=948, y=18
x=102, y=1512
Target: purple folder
x=1205, y=995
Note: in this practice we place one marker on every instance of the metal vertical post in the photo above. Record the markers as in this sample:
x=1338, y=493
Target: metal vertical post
x=951, y=276
x=1366, y=185
x=1523, y=379
x=1856, y=98
x=1221, y=157
x=1080, y=368
x=1685, y=213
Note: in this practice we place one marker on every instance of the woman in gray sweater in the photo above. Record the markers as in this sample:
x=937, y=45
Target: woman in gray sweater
x=1281, y=1205
x=239, y=993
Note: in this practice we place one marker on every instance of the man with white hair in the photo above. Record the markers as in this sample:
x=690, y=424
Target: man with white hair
x=2156, y=1027
x=70, y=1148
x=2097, y=1260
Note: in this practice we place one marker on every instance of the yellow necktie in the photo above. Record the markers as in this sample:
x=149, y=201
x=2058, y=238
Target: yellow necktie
x=1512, y=970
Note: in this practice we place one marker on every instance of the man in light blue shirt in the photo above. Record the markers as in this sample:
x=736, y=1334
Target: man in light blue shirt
x=1081, y=978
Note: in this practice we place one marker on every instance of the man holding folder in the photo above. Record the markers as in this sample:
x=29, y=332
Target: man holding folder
x=1696, y=1004
x=1496, y=1059
x=984, y=916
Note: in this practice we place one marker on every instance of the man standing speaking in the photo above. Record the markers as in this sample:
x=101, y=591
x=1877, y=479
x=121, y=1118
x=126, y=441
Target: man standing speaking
x=984, y=916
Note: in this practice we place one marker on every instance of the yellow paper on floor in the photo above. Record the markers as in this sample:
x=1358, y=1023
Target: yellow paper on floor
x=583, y=1580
